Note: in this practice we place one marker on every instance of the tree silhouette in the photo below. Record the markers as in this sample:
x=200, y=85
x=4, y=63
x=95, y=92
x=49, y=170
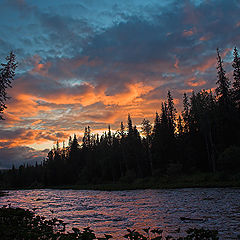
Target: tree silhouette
x=223, y=88
x=236, y=76
x=185, y=113
x=147, y=129
x=7, y=74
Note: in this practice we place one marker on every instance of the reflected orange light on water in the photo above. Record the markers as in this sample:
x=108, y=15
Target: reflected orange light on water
x=114, y=212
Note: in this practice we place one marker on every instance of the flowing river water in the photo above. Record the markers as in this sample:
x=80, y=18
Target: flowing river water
x=114, y=211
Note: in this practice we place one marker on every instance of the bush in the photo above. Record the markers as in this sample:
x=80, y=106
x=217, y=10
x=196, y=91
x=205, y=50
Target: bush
x=229, y=160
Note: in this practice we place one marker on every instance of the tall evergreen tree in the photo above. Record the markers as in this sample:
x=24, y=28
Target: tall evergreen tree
x=179, y=126
x=7, y=74
x=156, y=128
x=171, y=113
x=223, y=88
x=74, y=146
x=109, y=136
x=185, y=112
x=69, y=141
x=146, y=129
x=236, y=77
x=87, y=137
x=164, y=119
x=122, y=130
x=130, y=126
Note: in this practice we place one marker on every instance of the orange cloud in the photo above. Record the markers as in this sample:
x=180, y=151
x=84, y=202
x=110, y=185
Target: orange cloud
x=188, y=33
x=40, y=68
x=93, y=95
x=176, y=65
x=205, y=38
x=25, y=105
x=193, y=82
x=26, y=137
x=36, y=122
x=182, y=91
x=210, y=62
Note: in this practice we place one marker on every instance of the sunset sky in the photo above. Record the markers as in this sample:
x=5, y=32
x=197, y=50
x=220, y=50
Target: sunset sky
x=91, y=62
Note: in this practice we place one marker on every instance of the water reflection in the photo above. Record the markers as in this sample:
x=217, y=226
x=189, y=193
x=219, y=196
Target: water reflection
x=113, y=212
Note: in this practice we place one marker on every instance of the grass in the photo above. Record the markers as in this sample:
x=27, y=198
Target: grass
x=197, y=180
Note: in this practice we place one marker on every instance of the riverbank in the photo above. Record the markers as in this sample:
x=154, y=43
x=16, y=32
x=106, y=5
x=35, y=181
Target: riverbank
x=197, y=180
x=2, y=193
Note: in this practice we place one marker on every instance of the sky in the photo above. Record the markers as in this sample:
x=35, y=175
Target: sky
x=93, y=62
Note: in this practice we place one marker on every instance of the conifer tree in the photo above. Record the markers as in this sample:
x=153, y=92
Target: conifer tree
x=87, y=137
x=156, y=128
x=57, y=146
x=171, y=113
x=223, y=89
x=130, y=126
x=236, y=77
x=185, y=112
x=146, y=127
x=156, y=143
x=109, y=136
x=69, y=141
x=170, y=107
x=179, y=126
x=7, y=74
x=74, y=145
x=164, y=120
x=122, y=130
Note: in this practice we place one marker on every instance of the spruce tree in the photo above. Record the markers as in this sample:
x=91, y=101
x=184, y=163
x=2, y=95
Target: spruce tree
x=109, y=136
x=156, y=128
x=223, y=89
x=87, y=137
x=164, y=119
x=7, y=74
x=179, y=126
x=130, y=127
x=122, y=130
x=146, y=127
x=236, y=77
x=74, y=145
x=171, y=113
x=185, y=112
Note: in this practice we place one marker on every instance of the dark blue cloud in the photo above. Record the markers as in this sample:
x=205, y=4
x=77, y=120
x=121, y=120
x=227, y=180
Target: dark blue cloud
x=20, y=155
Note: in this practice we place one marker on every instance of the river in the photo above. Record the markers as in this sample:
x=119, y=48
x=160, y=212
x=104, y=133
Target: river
x=115, y=211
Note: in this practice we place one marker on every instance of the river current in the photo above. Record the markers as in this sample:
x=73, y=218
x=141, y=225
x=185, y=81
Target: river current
x=114, y=211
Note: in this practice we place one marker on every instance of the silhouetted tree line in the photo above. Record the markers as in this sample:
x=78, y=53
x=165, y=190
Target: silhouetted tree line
x=204, y=137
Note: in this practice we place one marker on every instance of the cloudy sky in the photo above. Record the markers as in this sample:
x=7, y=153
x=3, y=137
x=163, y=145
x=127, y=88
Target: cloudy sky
x=91, y=62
